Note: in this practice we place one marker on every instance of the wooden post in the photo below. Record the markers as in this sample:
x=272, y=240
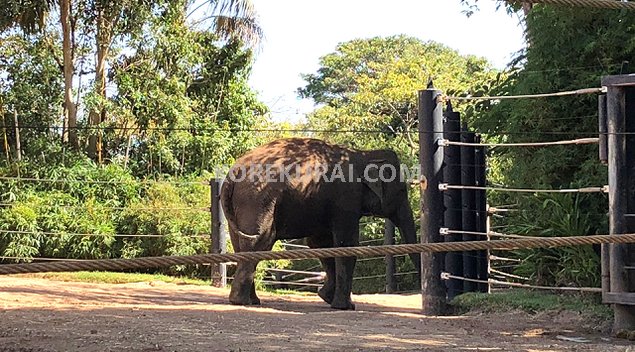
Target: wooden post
x=602, y=128
x=452, y=199
x=430, y=115
x=468, y=200
x=481, y=213
x=219, y=235
x=389, y=239
x=624, y=315
x=605, y=267
x=18, y=148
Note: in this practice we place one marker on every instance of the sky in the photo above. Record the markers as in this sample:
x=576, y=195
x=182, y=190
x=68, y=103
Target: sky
x=299, y=32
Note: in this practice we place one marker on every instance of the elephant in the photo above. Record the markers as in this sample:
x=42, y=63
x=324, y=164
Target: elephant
x=307, y=188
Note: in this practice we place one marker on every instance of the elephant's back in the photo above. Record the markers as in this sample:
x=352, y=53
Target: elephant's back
x=293, y=165
x=289, y=151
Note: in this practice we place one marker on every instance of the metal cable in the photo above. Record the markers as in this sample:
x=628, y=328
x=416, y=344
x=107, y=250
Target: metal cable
x=154, y=262
x=604, y=4
x=491, y=233
x=46, y=233
x=503, y=259
x=445, y=187
x=531, y=96
x=579, y=141
x=446, y=276
x=504, y=274
x=131, y=182
x=55, y=206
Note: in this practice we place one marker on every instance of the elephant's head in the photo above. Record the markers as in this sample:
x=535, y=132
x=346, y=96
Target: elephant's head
x=385, y=193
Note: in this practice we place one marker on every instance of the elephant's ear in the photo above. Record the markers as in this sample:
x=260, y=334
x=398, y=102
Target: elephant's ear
x=372, y=179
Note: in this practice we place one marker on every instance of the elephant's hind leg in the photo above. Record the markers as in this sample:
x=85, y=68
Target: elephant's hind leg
x=243, y=290
x=327, y=291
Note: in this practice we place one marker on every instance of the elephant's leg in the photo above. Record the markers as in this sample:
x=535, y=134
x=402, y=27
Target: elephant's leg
x=241, y=284
x=345, y=234
x=242, y=290
x=254, y=297
x=327, y=291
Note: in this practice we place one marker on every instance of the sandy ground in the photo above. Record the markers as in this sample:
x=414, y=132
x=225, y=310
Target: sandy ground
x=45, y=315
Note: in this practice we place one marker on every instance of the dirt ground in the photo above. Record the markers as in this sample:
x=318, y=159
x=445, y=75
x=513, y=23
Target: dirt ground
x=44, y=315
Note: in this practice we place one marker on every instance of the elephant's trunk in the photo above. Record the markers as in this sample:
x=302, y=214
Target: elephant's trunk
x=405, y=222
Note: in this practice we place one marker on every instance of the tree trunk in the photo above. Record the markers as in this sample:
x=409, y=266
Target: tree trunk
x=18, y=148
x=128, y=146
x=4, y=133
x=70, y=109
x=97, y=115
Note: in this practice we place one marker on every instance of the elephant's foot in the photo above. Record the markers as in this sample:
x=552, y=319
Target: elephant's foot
x=244, y=302
x=342, y=304
x=326, y=293
x=243, y=298
x=255, y=301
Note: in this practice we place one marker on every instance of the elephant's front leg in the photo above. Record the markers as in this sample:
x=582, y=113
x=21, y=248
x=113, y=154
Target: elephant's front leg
x=345, y=235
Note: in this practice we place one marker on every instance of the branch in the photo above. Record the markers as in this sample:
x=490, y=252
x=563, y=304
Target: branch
x=52, y=49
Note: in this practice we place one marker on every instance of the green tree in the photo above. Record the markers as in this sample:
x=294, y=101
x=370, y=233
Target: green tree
x=179, y=95
x=31, y=17
x=29, y=91
x=371, y=84
x=113, y=19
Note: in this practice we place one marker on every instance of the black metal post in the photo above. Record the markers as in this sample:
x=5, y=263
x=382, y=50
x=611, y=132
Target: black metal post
x=481, y=213
x=452, y=199
x=430, y=114
x=468, y=198
x=389, y=239
x=218, y=235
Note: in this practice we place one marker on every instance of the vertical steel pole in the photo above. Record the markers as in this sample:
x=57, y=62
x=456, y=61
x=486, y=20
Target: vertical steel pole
x=430, y=114
x=389, y=239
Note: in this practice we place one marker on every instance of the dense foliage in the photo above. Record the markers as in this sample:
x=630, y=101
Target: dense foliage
x=568, y=49
x=173, y=94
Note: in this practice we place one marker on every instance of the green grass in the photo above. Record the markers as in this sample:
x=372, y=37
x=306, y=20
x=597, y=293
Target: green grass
x=532, y=302
x=106, y=277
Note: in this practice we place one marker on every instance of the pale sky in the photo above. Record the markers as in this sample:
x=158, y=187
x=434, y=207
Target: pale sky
x=299, y=32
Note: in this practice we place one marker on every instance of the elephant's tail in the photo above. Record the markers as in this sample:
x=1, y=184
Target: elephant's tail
x=226, y=195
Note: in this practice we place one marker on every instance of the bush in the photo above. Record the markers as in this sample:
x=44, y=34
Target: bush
x=558, y=215
x=89, y=210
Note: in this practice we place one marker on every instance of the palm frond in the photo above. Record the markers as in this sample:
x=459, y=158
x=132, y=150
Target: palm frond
x=245, y=29
x=30, y=16
x=235, y=8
